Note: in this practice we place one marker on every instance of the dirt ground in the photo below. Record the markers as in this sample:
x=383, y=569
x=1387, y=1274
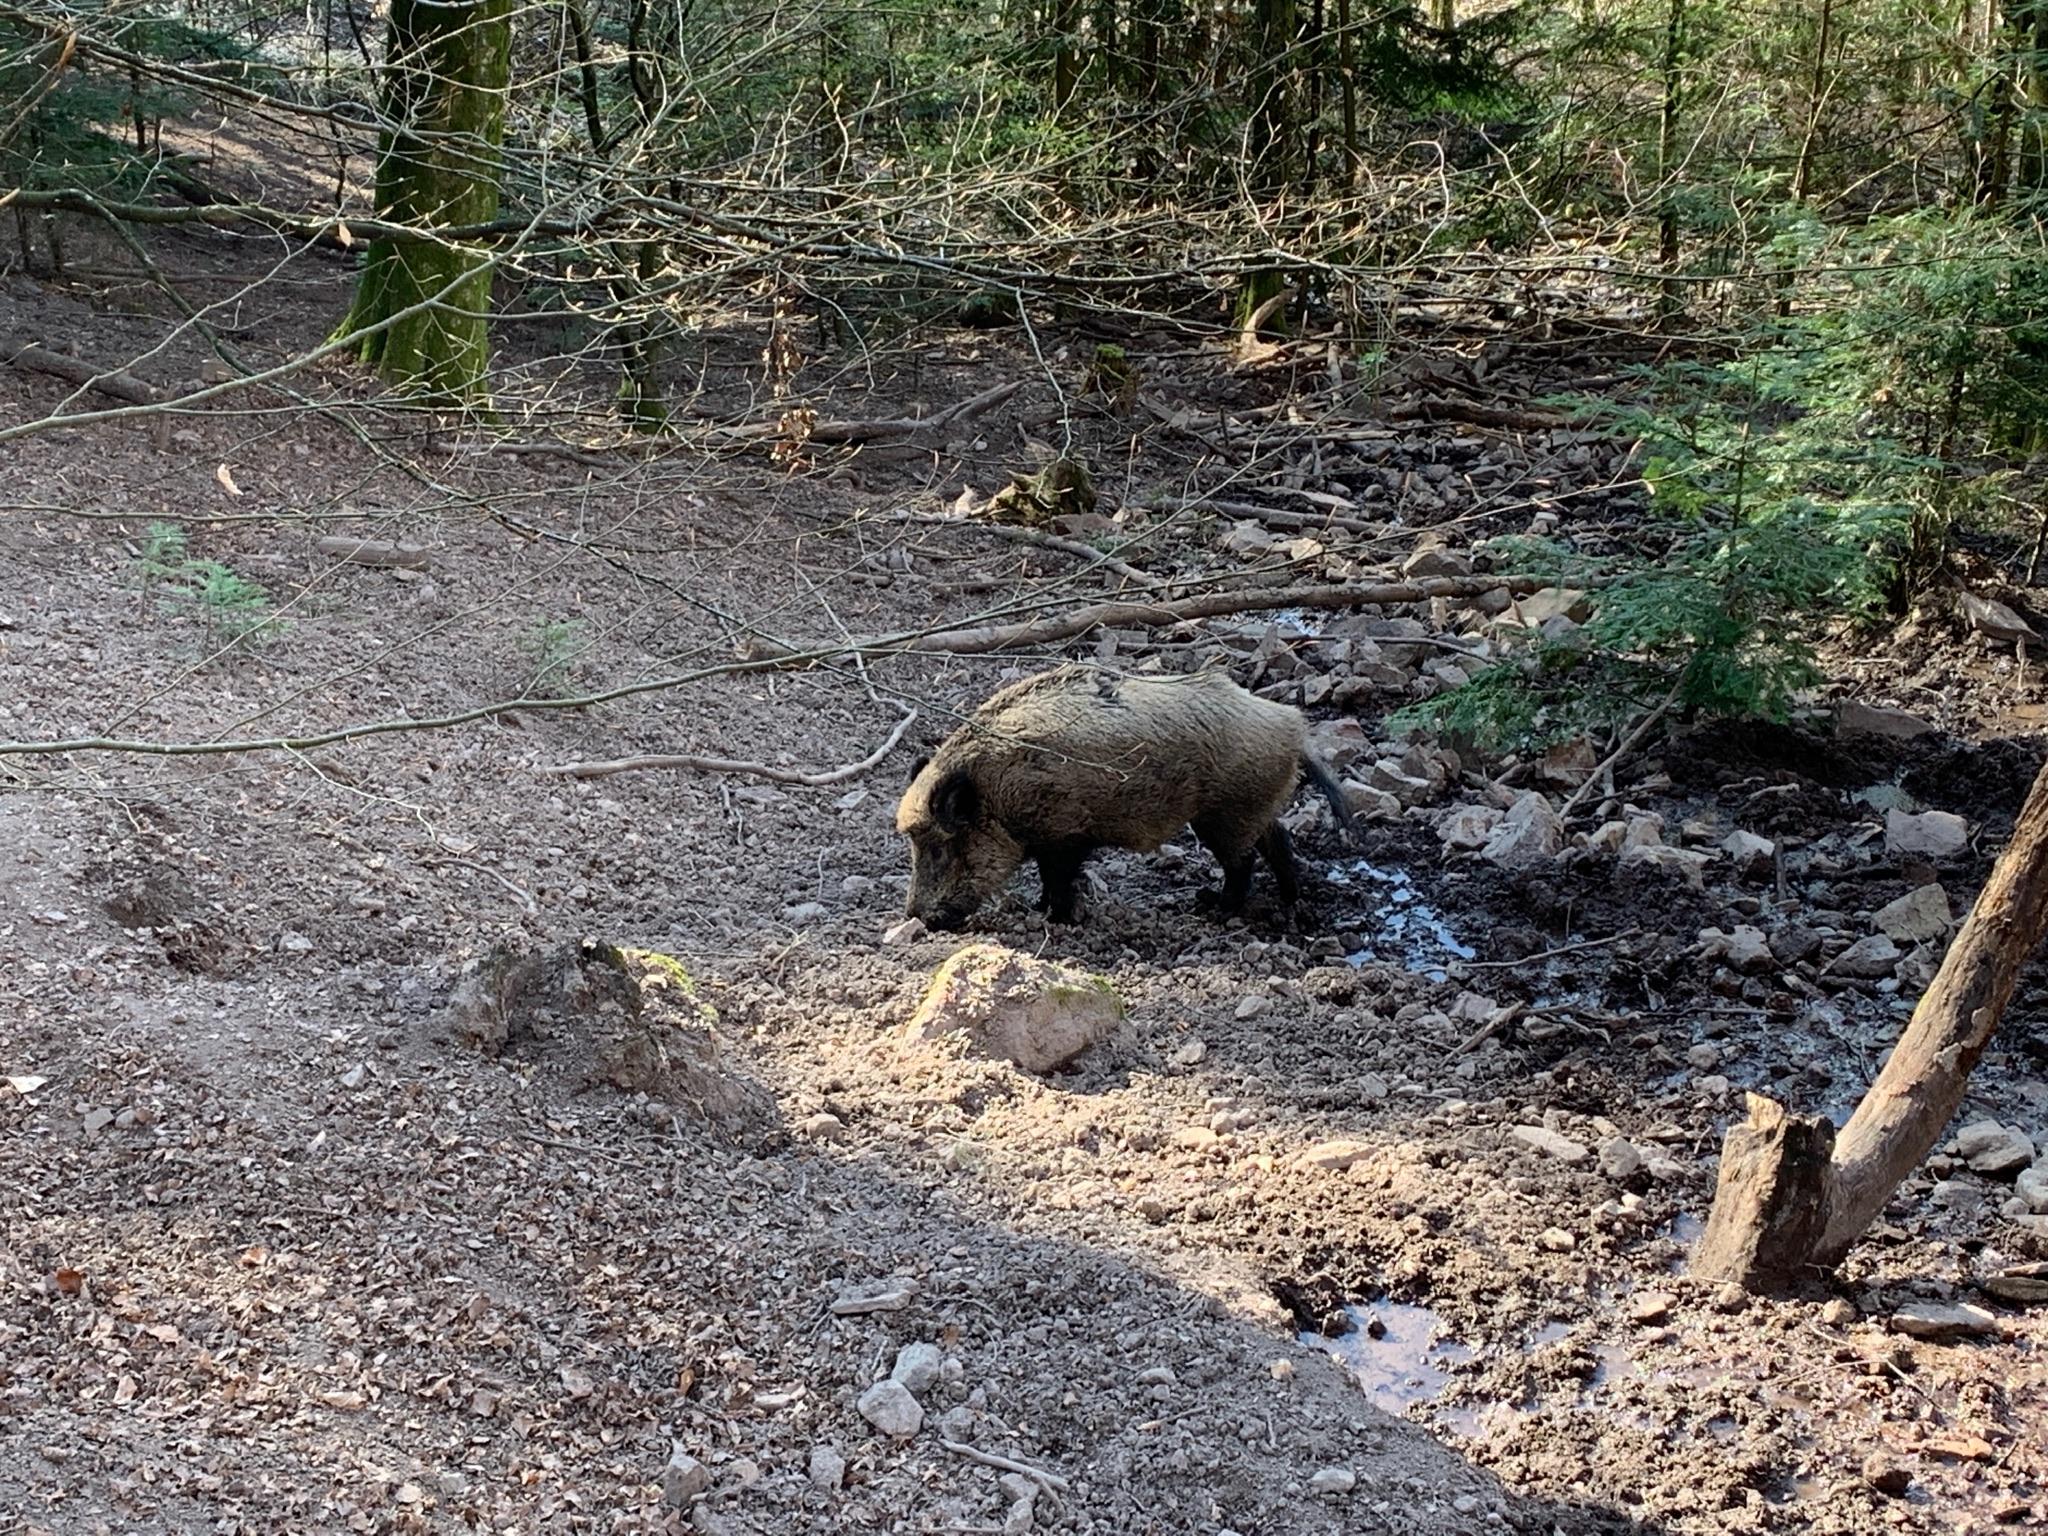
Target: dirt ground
x=1371, y=1217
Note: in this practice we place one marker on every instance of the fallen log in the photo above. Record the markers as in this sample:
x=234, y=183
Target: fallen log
x=888, y=427
x=377, y=552
x=1050, y=629
x=33, y=357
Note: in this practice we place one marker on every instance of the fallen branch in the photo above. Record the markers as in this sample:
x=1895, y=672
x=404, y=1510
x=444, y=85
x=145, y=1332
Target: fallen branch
x=900, y=426
x=20, y=352
x=1039, y=1475
x=1627, y=746
x=1294, y=522
x=1528, y=419
x=1053, y=628
x=696, y=764
x=1792, y=1195
x=378, y=552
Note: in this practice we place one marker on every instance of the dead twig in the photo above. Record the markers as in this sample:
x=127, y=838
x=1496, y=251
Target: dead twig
x=32, y=357
x=1038, y=1475
x=1643, y=728
x=871, y=431
x=697, y=764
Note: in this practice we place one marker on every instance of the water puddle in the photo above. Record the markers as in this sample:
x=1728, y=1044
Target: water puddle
x=1394, y=1353
x=1399, y=926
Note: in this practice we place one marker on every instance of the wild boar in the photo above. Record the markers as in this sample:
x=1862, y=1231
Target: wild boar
x=1075, y=759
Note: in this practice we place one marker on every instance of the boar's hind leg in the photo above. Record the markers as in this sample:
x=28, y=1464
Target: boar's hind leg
x=1059, y=878
x=1237, y=866
x=1278, y=848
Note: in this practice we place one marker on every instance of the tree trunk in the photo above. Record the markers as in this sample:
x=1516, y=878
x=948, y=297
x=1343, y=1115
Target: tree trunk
x=1667, y=150
x=443, y=99
x=1793, y=1197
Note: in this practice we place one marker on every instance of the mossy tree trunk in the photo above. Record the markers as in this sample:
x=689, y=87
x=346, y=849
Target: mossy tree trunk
x=442, y=92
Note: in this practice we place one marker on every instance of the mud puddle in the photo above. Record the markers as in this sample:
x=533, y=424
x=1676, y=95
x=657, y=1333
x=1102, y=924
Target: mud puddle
x=1398, y=925
x=1395, y=1352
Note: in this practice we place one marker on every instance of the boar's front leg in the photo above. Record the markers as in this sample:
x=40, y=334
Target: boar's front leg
x=1059, y=878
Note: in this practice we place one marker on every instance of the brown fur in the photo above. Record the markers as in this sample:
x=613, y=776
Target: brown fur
x=1075, y=759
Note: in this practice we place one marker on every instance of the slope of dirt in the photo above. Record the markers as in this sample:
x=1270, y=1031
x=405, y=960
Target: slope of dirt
x=284, y=1252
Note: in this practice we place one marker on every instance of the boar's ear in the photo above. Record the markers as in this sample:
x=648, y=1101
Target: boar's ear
x=918, y=767
x=956, y=802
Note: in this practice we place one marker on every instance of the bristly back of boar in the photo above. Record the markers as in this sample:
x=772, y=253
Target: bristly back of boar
x=1076, y=759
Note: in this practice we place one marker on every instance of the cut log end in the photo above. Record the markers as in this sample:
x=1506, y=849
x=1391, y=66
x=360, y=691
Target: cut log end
x=1771, y=1203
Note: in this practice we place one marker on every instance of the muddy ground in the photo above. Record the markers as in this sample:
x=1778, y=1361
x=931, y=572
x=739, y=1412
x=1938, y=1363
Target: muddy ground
x=1371, y=1217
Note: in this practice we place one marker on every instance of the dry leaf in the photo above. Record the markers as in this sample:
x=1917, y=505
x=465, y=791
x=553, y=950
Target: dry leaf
x=124, y=1390
x=163, y=1333
x=255, y=1256
x=341, y=233
x=26, y=1085
x=575, y=1382
x=1961, y=1447
x=348, y=1400
x=70, y=1281
x=227, y=481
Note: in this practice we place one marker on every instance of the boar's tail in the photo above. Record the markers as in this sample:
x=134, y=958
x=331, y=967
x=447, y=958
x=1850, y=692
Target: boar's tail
x=1326, y=783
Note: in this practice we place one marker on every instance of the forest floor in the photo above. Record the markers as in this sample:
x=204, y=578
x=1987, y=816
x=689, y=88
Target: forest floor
x=281, y=1251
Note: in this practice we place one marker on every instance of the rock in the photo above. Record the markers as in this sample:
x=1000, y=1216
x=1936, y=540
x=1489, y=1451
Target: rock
x=1409, y=789
x=1556, y=1240
x=1689, y=865
x=1703, y=1057
x=1338, y=743
x=1918, y=917
x=1550, y=1143
x=98, y=1120
x=2022, y=1284
x=683, y=1478
x=1745, y=949
x=1942, y=1324
x=1993, y=619
x=1619, y=1158
x=1643, y=830
x=1333, y=1155
x=1795, y=942
x=827, y=1469
x=1367, y=803
x=1528, y=834
x=1855, y=718
x=352, y=1079
x=1569, y=764
x=1929, y=835
x=918, y=1366
x=1731, y=1298
x=1431, y=560
x=889, y=1406
x=909, y=931
x=1750, y=854
x=803, y=912
x=1468, y=826
x=1037, y=1014
x=1247, y=540
x=1649, y=1308
x=1540, y=607
x=822, y=1127
x=1866, y=959
x=1334, y=1480
x=2032, y=1187
x=1956, y=1195
x=887, y=1296
x=1993, y=1149
x=1886, y=1475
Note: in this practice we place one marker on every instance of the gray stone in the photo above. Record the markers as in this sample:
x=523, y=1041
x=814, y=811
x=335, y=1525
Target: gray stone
x=1917, y=917
x=1689, y=865
x=1867, y=959
x=1744, y=949
x=889, y=1406
x=1942, y=1324
x=1994, y=1150
x=1855, y=718
x=1528, y=834
x=918, y=1366
x=1619, y=1157
x=2032, y=1187
x=1434, y=560
x=683, y=1478
x=1334, y=1480
x=1750, y=854
x=803, y=912
x=1468, y=826
x=1550, y=1143
x=1369, y=803
x=1929, y=835
x=827, y=1468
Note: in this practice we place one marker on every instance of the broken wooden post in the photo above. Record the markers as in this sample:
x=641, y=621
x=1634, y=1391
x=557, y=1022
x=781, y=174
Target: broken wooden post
x=1792, y=1197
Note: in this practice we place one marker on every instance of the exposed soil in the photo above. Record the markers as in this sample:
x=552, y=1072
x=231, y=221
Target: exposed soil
x=283, y=1250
